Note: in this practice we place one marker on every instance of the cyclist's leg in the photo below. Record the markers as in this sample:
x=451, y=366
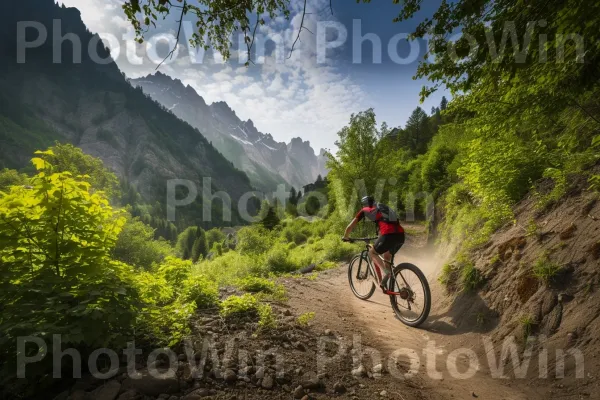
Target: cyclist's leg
x=381, y=248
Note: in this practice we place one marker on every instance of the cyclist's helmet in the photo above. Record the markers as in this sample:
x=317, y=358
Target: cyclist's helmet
x=367, y=201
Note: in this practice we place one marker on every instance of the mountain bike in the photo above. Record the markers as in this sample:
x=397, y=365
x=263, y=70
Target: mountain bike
x=408, y=288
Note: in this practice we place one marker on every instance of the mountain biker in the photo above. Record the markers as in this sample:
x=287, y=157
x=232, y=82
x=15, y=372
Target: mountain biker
x=391, y=235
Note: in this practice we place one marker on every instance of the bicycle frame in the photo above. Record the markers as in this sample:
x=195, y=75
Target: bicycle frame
x=375, y=270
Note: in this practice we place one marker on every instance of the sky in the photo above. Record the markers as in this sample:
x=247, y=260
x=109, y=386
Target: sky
x=308, y=93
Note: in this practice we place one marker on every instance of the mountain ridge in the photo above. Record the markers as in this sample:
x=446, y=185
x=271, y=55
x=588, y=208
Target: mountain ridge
x=266, y=161
x=92, y=106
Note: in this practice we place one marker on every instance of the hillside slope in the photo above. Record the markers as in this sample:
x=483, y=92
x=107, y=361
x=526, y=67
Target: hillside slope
x=266, y=161
x=92, y=106
x=539, y=278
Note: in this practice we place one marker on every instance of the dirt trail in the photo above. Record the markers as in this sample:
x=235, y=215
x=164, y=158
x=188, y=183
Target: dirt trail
x=336, y=308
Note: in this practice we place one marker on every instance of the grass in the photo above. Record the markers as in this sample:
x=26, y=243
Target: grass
x=528, y=323
x=546, y=270
x=470, y=278
x=462, y=276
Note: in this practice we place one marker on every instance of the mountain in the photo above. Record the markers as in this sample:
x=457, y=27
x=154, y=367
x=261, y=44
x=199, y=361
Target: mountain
x=93, y=106
x=266, y=161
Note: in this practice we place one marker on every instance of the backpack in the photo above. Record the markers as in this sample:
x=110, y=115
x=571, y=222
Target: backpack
x=387, y=214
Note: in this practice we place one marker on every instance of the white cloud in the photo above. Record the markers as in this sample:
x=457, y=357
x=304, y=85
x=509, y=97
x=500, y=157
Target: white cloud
x=296, y=98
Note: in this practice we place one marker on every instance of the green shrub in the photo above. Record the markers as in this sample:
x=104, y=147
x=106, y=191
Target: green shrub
x=253, y=240
x=214, y=236
x=175, y=271
x=232, y=266
x=545, y=270
x=306, y=318
x=200, y=290
x=136, y=246
x=255, y=284
x=154, y=289
x=239, y=306
x=278, y=260
x=266, y=318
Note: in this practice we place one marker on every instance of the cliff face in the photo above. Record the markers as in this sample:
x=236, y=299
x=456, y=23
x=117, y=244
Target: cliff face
x=94, y=107
x=266, y=161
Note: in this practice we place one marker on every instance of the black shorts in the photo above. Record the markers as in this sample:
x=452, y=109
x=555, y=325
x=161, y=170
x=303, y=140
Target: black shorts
x=391, y=242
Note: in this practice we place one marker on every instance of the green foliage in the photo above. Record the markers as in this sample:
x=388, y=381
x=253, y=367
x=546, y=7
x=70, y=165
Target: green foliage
x=240, y=306
x=216, y=22
x=546, y=270
x=253, y=240
x=254, y=284
x=306, y=318
x=594, y=182
x=201, y=291
x=175, y=271
x=10, y=177
x=200, y=246
x=559, y=180
x=528, y=324
x=448, y=276
x=154, y=289
x=470, y=278
x=266, y=317
x=56, y=236
x=185, y=243
x=136, y=246
x=268, y=216
x=68, y=158
x=278, y=259
x=214, y=236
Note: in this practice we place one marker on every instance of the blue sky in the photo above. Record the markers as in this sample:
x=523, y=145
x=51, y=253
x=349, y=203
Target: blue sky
x=289, y=97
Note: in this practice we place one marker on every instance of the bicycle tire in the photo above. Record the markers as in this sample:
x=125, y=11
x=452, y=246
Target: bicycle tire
x=427, y=296
x=351, y=276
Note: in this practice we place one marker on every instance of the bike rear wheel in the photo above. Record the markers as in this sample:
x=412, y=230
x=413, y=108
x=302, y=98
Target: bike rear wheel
x=413, y=303
x=360, y=278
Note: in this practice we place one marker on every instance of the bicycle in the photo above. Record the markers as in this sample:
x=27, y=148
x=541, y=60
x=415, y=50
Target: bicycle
x=363, y=272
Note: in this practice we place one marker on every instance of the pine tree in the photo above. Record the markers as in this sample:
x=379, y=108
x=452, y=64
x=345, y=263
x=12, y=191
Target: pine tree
x=293, y=196
x=200, y=246
x=269, y=213
x=444, y=103
x=418, y=131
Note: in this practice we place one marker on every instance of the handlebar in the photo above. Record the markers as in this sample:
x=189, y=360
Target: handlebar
x=352, y=240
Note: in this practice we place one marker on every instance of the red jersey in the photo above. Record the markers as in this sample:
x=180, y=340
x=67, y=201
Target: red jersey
x=385, y=228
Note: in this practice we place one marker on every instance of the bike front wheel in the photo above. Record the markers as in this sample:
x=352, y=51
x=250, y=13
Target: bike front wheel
x=412, y=301
x=360, y=277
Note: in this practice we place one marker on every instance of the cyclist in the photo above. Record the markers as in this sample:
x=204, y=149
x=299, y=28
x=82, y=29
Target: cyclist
x=390, y=232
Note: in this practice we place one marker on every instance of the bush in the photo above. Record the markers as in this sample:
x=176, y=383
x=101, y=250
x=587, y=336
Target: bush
x=214, y=236
x=239, y=306
x=253, y=240
x=201, y=291
x=266, y=317
x=154, y=289
x=255, y=284
x=136, y=246
x=278, y=260
x=231, y=266
x=175, y=271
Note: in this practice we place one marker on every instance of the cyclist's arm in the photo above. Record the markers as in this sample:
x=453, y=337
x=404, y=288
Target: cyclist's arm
x=350, y=228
